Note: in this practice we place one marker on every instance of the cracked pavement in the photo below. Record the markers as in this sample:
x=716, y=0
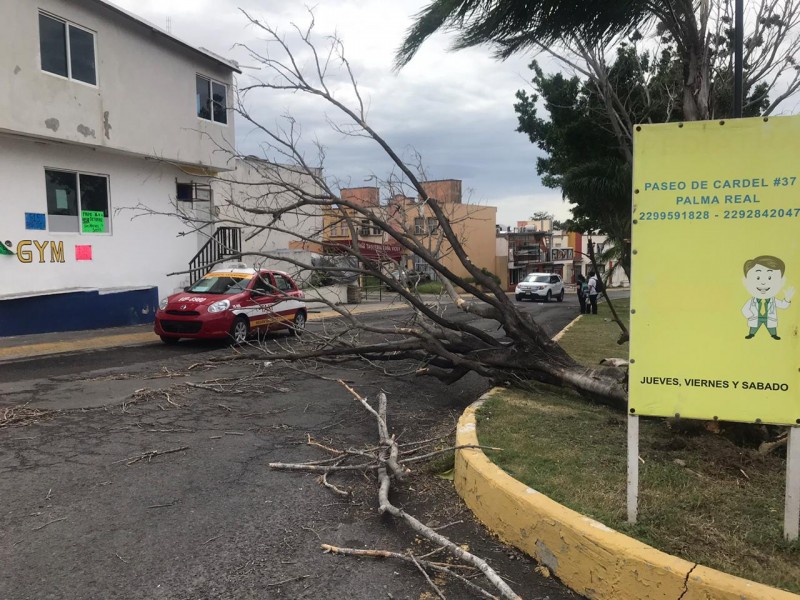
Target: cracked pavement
x=89, y=511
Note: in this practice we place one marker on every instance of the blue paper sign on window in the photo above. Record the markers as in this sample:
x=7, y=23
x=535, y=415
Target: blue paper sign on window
x=35, y=221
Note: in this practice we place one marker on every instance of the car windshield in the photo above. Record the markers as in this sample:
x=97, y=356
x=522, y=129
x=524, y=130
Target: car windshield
x=220, y=284
x=537, y=278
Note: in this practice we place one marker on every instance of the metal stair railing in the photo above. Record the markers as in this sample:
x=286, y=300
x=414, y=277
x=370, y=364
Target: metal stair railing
x=225, y=244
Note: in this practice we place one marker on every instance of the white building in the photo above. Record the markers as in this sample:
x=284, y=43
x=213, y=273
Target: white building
x=245, y=199
x=103, y=118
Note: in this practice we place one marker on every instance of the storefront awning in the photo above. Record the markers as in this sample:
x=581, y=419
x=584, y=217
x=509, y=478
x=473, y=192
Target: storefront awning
x=369, y=250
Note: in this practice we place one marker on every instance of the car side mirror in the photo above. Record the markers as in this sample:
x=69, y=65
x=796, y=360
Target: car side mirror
x=186, y=289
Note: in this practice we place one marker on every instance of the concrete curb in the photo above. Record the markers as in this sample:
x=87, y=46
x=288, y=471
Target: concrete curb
x=587, y=556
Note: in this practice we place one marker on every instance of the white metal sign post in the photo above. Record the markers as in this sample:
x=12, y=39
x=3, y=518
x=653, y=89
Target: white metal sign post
x=791, y=513
x=633, y=467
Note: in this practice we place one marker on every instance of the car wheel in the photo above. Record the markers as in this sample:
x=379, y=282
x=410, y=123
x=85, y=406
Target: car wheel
x=518, y=297
x=561, y=295
x=240, y=330
x=549, y=296
x=299, y=323
x=170, y=341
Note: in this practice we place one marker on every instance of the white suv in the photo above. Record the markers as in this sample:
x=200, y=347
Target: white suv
x=542, y=286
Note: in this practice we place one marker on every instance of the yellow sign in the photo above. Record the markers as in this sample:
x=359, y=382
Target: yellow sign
x=716, y=260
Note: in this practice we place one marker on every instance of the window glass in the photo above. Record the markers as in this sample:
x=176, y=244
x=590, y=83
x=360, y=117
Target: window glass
x=62, y=198
x=537, y=278
x=81, y=54
x=220, y=102
x=203, y=98
x=94, y=204
x=283, y=284
x=53, y=45
x=220, y=285
x=77, y=202
x=184, y=191
x=263, y=284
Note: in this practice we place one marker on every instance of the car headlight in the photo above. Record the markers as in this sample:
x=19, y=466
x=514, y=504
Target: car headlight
x=163, y=304
x=220, y=306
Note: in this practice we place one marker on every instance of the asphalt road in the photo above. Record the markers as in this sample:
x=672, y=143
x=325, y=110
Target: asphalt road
x=89, y=512
x=553, y=316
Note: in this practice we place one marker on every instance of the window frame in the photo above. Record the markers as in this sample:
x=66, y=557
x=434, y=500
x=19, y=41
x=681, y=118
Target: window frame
x=211, y=81
x=68, y=49
x=195, y=191
x=78, y=201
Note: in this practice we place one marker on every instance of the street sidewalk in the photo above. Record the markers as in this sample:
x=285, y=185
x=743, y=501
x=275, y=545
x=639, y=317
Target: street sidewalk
x=29, y=346
x=42, y=344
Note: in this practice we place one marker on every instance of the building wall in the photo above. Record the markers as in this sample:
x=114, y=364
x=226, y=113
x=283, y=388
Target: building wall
x=362, y=196
x=144, y=102
x=260, y=185
x=475, y=227
x=137, y=253
x=445, y=190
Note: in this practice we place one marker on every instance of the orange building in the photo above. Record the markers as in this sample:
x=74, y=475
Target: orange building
x=473, y=224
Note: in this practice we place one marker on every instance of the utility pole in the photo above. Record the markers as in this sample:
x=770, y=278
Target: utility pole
x=738, y=51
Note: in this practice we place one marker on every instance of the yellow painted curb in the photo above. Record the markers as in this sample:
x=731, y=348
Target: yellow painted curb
x=587, y=556
x=105, y=341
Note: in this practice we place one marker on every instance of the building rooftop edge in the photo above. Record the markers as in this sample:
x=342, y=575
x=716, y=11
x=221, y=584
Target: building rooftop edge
x=232, y=65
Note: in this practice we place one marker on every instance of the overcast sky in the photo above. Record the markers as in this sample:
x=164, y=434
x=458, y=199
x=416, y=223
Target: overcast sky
x=454, y=108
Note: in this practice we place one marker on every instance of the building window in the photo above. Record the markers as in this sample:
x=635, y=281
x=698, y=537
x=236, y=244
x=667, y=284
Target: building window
x=192, y=192
x=67, y=49
x=212, y=100
x=364, y=228
x=420, y=225
x=77, y=202
x=423, y=267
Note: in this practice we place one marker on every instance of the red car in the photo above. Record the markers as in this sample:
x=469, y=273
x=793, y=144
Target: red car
x=232, y=302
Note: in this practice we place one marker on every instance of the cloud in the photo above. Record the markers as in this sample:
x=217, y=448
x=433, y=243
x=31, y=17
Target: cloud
x=453, y=108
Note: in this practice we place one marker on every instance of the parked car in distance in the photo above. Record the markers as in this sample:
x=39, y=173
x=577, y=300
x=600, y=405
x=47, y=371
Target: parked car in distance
x=540, y=286
x=231, y=303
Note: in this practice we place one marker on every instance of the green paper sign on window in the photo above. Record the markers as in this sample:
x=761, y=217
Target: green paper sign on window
x=93, y=221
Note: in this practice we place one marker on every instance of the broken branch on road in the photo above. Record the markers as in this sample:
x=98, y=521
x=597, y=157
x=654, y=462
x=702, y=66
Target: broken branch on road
x=390, y=469
x=149, y=455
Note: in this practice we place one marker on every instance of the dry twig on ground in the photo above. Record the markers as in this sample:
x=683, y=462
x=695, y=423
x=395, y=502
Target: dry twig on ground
x=22, y=415
x=384, y=459
x=149, y=455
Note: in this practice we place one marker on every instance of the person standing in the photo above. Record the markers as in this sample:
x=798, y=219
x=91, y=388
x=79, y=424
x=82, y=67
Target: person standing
x=583, y=292
x=592, y=293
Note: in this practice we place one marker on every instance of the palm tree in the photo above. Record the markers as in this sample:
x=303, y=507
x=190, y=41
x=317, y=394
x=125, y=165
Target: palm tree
x=700, y=31
x=514, y=25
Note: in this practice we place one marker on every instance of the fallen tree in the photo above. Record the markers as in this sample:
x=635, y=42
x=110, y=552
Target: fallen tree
x=444, y=343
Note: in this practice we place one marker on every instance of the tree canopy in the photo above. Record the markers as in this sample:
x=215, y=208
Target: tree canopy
x=699, y=33
x=514, y=25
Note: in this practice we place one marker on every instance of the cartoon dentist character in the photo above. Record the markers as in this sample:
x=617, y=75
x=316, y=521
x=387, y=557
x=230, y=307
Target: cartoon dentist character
x=764, y=278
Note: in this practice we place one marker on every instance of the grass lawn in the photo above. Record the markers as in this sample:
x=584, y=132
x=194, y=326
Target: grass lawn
x=701, y=497
x=429, y=287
